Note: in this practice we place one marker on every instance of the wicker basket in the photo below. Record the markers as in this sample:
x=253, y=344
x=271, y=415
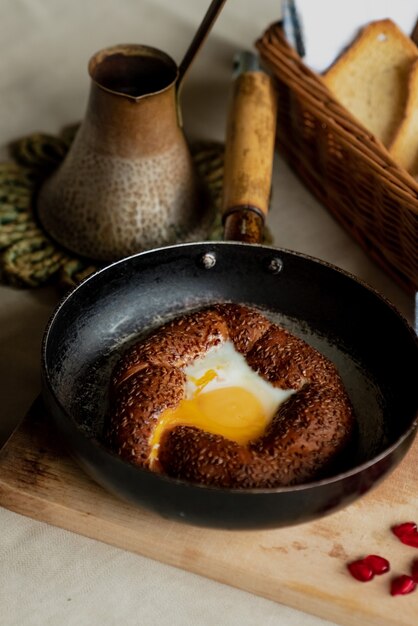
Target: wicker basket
x=343, y=164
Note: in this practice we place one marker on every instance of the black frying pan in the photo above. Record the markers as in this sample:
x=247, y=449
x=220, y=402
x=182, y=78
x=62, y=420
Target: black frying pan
x=373, y=347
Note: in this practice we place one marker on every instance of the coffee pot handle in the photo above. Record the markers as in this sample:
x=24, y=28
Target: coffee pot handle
x=202, y=32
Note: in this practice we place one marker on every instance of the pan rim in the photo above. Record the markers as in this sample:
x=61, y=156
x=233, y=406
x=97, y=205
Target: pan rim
x=238, y=244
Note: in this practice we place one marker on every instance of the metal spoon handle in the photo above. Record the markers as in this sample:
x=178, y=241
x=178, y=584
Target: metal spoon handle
x=200, y=36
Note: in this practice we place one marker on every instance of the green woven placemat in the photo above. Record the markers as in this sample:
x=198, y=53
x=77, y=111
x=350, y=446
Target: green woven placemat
x=28, y=256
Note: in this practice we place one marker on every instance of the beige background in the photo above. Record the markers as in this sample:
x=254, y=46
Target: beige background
x=49, y=576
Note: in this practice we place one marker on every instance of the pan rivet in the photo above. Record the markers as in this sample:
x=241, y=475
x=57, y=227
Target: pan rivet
x=208, y=260
x=275, y=265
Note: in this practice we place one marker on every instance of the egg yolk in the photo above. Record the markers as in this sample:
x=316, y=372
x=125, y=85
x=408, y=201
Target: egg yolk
x=232, y=412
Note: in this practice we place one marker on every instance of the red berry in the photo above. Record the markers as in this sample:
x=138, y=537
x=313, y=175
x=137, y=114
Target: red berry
x=377, y=564
x=360, y=570
x=414, y=570
x=402, y=585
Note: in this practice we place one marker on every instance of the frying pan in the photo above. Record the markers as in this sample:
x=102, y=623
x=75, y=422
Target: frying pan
x=373, y=347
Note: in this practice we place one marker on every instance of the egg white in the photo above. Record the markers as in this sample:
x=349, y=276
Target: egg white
x=232, y=370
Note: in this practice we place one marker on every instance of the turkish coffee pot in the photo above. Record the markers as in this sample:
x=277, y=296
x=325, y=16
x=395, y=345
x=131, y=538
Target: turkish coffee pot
x=128, y=183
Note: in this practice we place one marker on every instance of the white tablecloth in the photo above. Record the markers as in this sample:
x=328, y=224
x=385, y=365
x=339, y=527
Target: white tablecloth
x=51, y=576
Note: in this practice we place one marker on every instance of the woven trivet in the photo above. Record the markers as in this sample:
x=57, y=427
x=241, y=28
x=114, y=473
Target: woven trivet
x=28, y=256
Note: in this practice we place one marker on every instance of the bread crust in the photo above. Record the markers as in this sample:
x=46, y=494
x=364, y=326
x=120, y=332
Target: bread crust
x=404, y=147
x=304, y=436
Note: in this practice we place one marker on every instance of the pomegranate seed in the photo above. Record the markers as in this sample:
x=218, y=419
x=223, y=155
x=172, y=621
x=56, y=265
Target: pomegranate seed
x=360, y=570
x=402, y=585
x=408, y=528
x=414, y=570
x=407, y=533
x=410, y=539
x=377, y=564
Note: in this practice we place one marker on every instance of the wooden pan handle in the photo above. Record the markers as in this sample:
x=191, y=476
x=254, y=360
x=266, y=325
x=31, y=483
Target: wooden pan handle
x=249, y=151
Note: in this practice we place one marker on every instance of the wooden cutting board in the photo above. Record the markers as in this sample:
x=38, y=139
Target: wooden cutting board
x=303, y=566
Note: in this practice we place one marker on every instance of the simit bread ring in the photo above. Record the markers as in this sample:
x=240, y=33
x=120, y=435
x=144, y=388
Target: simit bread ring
x=158, y=422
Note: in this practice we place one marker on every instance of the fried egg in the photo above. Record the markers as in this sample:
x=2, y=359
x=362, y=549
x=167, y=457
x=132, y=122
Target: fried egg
x=224, y=396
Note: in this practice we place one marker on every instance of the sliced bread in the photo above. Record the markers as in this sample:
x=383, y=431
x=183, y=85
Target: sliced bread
x=404, y=147
x=370, y=78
